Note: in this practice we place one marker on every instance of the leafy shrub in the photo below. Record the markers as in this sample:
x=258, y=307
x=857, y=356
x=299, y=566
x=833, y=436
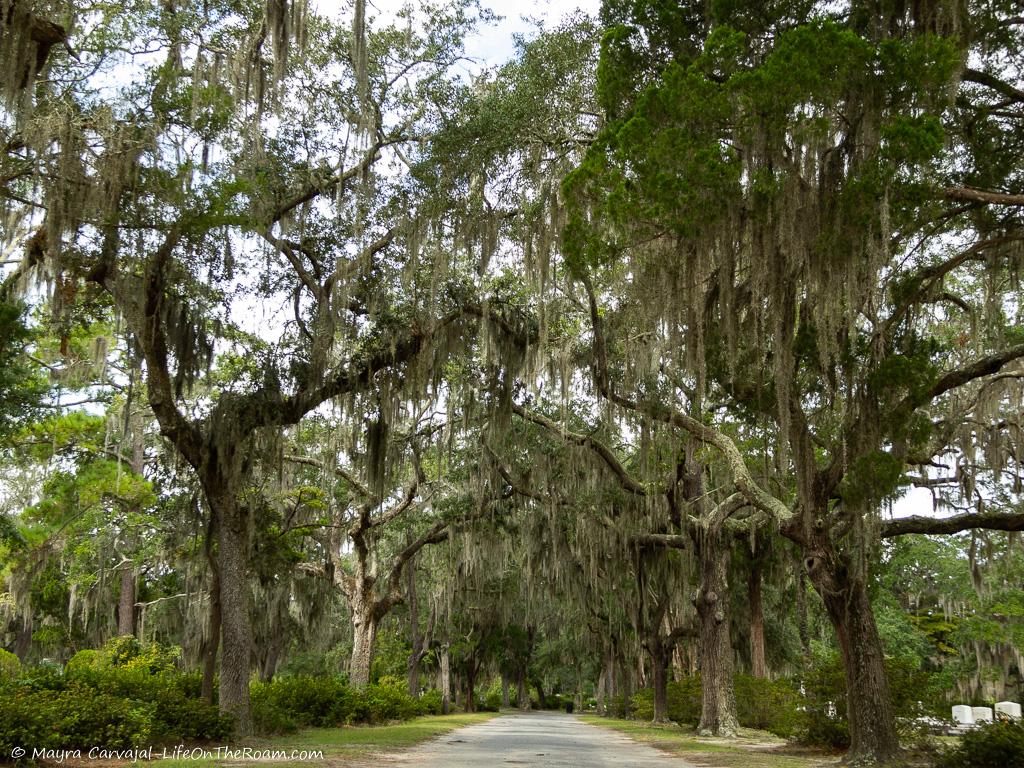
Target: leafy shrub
x=307, y=701
x=994, y=745
x=430, y=702
x=288, y=703
x=914, y=692
x=125, y=694
x=10, y=665
x=770, y=705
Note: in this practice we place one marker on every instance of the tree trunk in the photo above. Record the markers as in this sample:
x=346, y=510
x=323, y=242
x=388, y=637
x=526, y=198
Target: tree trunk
x=446, y=680
x=471, y=685
x=873, y=736
x=801, y=612
x=364, y=633
x=522, y=695
x=126, y=602
x=599, y=692
x=269, y=668
x=506, y=700
x=718, y=700
x=416, y=637
x=659, y=675
x=236, y=629
x=758, y=668
x=23, y=640
x=212, y=643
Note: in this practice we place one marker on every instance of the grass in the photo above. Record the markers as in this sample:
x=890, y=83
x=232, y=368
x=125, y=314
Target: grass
x=349, y=745
x=753, y=749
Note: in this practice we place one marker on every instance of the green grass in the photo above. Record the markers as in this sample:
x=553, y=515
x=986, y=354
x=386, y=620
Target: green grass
x=753, y=749
x=340, y=745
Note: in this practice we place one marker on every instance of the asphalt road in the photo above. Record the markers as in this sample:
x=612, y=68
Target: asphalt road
x=544, y=739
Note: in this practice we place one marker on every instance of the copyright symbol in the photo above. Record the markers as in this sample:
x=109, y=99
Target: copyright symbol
x=17, y=752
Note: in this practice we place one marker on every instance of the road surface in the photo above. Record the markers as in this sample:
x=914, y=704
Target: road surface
x=546, y=739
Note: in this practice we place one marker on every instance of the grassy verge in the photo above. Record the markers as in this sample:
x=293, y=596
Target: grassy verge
x=353, y=745
x=753, y=749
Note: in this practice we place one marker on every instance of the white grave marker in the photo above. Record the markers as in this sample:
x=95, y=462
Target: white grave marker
x=982, y=714
x=1010, y=709
x=962, y=715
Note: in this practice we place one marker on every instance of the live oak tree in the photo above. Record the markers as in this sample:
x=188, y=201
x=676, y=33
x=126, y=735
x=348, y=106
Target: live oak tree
x=786, y=192
x=224, y=157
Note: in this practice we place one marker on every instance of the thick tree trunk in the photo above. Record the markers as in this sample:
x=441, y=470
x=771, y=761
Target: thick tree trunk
x=506, y=700
x=801, y=612
x=471, y=686
x=236, y=629
x=718, y=700
x=23, y=640
x=212, y=644
x=599, y=692
x=659, y=678
x=415, y=636
x=873, y=736
x=446, y=680
x=522, y=694
x=364, y=634
x=126, y=602
x=269, y=667
x=758, y=668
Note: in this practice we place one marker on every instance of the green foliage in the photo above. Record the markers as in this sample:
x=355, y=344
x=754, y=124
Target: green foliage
x=915, y=692
x=770, y=705
x=871, y=478
x=20, y=387
x=125, y=694
x=993, y=745
x=288, y=703
x=10, y=665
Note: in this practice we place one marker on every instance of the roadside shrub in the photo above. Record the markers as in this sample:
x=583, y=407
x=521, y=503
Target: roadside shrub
x=307, y=701
x=770, y=705
x=683, y=701
x=288, y=703
x=430, y=702
x=10, y=665
x=825, y=723
x=124, y=694
x=994, y=745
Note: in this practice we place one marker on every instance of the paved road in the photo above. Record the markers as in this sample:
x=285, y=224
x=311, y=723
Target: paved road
x=544, y=739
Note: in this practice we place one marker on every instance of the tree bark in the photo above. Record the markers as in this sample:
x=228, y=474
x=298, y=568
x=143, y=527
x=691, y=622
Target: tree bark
x=522, y=694
x=873, y=736
x=446, y=680
x=506, y=700
x=659, y=676
x=599, y=692
x=718, y=700
x=212, y=644
x=471, y=670
x=364, y=634
x=126, y=602
x=236, y=629
x=414, y=632
x=758, y=667
x=23, y=640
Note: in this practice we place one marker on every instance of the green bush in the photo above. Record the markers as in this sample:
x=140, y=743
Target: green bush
x=10, y=665
x=125, y=694
x=993, y=745
x=915, y=692
x=430, y=702
x=770, y=705
x=288, y=703
x=307, y=701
